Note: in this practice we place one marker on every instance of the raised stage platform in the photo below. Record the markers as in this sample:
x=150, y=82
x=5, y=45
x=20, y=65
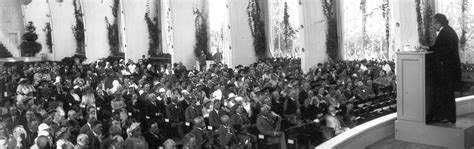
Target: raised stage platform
x=459, y=135
x=432, y=136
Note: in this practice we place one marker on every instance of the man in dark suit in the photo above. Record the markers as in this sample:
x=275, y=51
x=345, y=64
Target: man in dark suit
x=268, y=124
x=95, y=135
x=203, y=137
x=175, y=115
x=447, y=71
x=152, y=135
x=215, y=115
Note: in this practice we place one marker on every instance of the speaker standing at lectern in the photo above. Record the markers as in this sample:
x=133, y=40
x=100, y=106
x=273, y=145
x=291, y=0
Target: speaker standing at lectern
x=447, y=72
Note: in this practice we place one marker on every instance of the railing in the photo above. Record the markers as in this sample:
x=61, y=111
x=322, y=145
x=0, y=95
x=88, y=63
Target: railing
x=11, y=46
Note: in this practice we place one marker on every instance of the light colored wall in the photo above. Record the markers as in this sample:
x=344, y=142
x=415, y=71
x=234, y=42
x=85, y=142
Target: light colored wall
x=183, y=28
x=11, y=21
x=97, y=35
x=314, y=34
x=242, y=52
x=38, y=12
x=62, y=15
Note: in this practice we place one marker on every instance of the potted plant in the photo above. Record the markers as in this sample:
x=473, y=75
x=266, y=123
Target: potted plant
x=29, y=47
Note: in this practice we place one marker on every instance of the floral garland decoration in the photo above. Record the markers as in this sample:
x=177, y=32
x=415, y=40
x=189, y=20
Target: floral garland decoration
x=332, y=47
x=257, y=29
x=49, y=39
x=113, y=31
x=154, y=32
x=78, y=29
x=424, y=12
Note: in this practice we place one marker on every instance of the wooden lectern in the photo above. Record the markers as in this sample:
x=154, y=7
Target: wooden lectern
x=414, y=96
x=413, y=86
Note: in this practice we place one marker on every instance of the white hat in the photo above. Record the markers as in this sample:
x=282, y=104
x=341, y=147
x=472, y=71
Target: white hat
x=238, y=98
x=231, y=95
x=43, y=127
x=162, y=90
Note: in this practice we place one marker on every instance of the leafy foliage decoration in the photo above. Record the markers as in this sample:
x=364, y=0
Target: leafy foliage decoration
x=113, y=30
x=78, y=29
x=332, y=47
x=154, y=33
x=424, y=11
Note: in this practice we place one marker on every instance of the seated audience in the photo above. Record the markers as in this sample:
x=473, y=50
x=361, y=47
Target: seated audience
x=102, y=104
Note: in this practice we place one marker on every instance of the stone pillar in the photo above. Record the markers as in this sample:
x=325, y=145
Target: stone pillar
x=97, y=35
x=136, y=28
x=62, y=18
x=313, y=34
x=184, y=30
x=242, y=52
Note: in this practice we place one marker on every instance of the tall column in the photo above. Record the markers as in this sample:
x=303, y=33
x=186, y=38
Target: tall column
x=242, y=52
x=62, y=18
x=184, y=30
x=97, y=38
x=313, y=33
x=136, y=28
x=167, y=42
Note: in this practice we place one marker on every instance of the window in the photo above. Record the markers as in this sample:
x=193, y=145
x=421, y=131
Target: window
x=284, y=31
x=219, y=29
x=366, y=29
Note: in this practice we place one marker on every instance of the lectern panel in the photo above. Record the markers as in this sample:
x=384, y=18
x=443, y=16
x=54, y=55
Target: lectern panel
x=411, y=84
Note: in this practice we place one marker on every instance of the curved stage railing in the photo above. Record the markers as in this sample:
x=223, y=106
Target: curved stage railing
x=375, y=130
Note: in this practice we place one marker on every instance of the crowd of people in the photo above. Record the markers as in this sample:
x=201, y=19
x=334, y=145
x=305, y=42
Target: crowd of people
x=122, y=104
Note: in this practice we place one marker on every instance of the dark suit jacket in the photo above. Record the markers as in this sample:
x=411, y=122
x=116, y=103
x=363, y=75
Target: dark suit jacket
x=203, y=139
x=94, y=142
x=215, y=118
x=446, y=58
x=175, y=113
x=154, y=141
x=86, y=129
x=191, y=113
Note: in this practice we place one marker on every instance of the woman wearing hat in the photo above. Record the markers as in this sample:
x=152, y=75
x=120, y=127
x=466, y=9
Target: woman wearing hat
x=24, y=91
